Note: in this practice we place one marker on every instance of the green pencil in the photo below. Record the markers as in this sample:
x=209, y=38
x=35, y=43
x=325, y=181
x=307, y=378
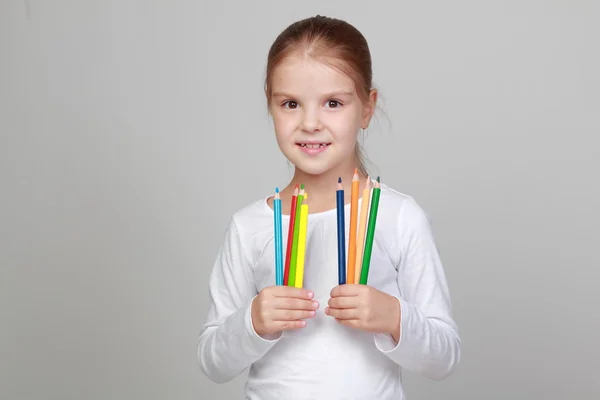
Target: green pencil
x=294, y=256
x=364, y=273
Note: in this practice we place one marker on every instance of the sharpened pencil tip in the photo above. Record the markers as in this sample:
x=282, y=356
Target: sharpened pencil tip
x=302, y=186
x=276, y=190
x=378, y=179
x=340, y=179
x=296, y=187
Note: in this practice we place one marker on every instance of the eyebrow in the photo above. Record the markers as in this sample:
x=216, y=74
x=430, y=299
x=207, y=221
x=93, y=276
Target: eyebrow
x=331, y=94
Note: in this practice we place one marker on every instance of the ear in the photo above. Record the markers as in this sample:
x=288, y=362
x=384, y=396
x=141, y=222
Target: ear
x=369, y=109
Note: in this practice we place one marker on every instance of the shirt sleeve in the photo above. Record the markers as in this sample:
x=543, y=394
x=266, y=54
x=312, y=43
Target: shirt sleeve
x=429, y=340
x=228, y=343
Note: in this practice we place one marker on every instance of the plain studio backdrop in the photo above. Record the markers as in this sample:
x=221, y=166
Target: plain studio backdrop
x=132, y=130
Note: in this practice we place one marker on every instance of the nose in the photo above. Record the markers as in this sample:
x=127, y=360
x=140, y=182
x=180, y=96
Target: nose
x=311, y=121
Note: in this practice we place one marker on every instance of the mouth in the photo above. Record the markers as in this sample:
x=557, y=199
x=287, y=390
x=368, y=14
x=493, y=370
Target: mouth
x=313, y=145
x=313, y=148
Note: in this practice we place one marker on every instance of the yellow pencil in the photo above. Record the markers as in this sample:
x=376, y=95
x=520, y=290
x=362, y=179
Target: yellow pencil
x=362, y=227
x=299, y=281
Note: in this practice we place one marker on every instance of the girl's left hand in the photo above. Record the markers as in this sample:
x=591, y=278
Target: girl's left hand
x=366, y=308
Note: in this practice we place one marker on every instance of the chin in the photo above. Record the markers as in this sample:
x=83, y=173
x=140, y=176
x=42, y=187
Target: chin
x=312, y=166
x=315, y=170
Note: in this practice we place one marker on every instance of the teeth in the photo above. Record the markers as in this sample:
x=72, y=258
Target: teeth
x=312, y=146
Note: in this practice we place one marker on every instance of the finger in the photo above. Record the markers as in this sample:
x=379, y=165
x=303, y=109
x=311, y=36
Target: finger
x=343, y=302
x=292, y=315
x=346, y=290
x=291, y=303
x=289, y=325
x=342, y=313
x=354, y=323
x=290, y=291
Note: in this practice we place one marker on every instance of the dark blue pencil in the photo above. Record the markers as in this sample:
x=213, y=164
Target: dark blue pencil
x=341, y=230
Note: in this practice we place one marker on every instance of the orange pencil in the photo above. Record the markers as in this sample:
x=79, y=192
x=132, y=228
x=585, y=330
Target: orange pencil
x=352, y=234
x=362, y=228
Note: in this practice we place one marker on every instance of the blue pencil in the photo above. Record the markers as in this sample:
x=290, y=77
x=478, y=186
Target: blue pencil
x=341, y=230
x=278, y=239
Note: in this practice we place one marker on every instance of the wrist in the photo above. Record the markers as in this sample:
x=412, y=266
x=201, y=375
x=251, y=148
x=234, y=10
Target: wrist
x=394, y=327
x=256, y=325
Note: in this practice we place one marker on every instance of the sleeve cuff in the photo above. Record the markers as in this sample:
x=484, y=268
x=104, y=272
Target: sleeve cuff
x=260, y=343
x=408, y=352
x=385, y=342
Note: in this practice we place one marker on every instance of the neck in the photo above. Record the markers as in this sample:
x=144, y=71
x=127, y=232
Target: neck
x=322, y=188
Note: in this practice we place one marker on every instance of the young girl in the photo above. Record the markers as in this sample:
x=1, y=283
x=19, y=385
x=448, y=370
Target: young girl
x=325, y=340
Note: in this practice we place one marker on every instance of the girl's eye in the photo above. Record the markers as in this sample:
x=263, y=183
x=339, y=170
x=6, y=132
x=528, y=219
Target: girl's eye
x=290, y=104
x=333, y=104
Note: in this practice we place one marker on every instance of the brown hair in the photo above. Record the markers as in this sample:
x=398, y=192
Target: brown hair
x=333, y=41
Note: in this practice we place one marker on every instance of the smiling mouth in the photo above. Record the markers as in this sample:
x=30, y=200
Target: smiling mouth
x=313, y=145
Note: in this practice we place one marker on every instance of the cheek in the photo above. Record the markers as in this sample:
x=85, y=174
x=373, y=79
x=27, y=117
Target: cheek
x=284, y=125
x=344, y=126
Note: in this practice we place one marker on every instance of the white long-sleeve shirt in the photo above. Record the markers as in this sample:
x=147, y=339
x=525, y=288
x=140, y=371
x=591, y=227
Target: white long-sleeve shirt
x=327, y=360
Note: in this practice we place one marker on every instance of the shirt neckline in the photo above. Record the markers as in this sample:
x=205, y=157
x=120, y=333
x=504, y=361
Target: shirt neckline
x=320, y=214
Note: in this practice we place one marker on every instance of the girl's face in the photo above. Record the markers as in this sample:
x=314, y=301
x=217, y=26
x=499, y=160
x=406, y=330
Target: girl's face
x=317, y=115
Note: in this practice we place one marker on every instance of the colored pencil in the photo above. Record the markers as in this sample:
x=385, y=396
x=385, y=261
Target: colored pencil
x=302, y=242
x=341, y=233
x=362, y=226
x=352, y=236
x=288, y=253
x=364, y=273
x=294, y=256
x=278, y=239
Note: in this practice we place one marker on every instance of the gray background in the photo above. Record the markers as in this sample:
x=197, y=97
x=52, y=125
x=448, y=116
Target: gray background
x=131, y=130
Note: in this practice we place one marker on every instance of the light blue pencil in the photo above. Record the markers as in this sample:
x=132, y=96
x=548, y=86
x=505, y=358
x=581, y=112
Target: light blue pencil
x=278, y=239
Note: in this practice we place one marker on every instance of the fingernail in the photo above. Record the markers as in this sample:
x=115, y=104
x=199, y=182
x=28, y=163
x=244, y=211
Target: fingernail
x=315, y=304
x=310, y=295
x=312, y=313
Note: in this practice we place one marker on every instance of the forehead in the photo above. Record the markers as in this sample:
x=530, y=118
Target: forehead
x=306, y=75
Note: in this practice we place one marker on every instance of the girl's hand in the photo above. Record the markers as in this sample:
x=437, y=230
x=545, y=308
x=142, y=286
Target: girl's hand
x=364, y=307
x=279, y=308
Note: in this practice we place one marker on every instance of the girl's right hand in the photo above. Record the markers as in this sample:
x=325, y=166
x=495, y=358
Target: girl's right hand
x=279, y=308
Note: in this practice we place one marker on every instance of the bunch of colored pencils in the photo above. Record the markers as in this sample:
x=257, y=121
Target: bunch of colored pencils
x=293, y=272
x=360, y=244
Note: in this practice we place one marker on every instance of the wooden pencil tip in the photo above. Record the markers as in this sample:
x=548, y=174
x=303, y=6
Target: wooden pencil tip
x=378, y=179
x=355, y=170
x=340, y=179
x=302, y=186
x=276, y=190
x=296, y=187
